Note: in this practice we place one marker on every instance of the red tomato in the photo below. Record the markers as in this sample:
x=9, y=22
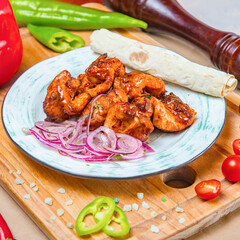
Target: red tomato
x=236, y=146
x=231, y=168
x=208, y=189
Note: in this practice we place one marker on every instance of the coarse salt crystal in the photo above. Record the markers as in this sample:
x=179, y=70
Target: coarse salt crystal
x=70, y=225
x=154, y=229
x=35, y=189
x=27, y=196
x=19, y=172
x=48, y=201
x=61, y=190
x=164, y=218
x=33, y=184
x=10, y=171
x=19, y=181
x=179, y=210
x=60, y=212
x=69, y=202
x=153, y=214
x=127, y=208
x=135, y=206
x=140, y=195
x=145, y=205
x=181, y=220
x=53, y=217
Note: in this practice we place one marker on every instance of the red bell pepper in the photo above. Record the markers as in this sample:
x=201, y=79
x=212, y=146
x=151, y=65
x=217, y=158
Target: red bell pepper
x=5, y=232
x=10, y=43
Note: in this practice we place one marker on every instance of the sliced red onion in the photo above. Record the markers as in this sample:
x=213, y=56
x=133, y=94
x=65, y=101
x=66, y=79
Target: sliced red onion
x=147, y=148
x=26, y=131
x=71, y=139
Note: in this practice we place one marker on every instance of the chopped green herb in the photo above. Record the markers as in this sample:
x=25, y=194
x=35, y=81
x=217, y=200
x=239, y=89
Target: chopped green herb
x=163, y=199
x=144, y=150
x=115, y=200
x=117, y=157
x=76, y=143
x=148, y=96
x=98, y=106
x=94, y=108
x=124, y=154
x=65, y=145
x=88, y=165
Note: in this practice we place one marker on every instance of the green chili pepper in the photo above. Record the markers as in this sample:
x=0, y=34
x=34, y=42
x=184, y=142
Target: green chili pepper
x=69, y=16
x=94, y=208
x=120, y=219
x=57, y=39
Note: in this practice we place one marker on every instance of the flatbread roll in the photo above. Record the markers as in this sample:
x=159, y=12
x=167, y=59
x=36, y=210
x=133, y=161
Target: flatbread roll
x=163, y=63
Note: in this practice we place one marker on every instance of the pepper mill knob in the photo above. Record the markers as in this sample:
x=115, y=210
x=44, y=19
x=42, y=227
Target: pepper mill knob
x=168, y=15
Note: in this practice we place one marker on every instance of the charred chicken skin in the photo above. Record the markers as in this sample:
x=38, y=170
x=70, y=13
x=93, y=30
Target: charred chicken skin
x=101, y=106
x=67, y=96
x=60, y=100
x=132, y=103
x=133, y=119
x=171, y=114
x=137, y=84
x=101, y=74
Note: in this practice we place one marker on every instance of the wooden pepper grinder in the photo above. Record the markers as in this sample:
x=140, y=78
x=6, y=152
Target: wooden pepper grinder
x=168, y=15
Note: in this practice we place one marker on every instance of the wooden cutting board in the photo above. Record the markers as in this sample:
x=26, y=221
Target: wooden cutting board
x=198, y=214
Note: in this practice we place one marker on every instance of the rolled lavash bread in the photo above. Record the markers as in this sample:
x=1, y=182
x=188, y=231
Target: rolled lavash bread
x=163, y=63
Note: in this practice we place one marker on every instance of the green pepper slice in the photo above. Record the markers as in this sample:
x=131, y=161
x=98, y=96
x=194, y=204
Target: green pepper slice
x=120, y=219
x=57, y=39
x=94, y=208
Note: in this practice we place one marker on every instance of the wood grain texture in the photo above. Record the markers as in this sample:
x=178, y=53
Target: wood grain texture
x=198, y=214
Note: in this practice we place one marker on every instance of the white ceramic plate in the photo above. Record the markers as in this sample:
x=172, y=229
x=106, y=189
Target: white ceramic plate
x=23, y=105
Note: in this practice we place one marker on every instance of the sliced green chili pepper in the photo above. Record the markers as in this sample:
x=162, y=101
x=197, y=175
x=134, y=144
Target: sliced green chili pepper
x=69, y=16
x=94, y=208
x=120, y=219
x=57, y=39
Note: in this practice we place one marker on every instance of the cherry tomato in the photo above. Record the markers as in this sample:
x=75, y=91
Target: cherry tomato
x=208, y=189
x=231, y=168
x=236, y=146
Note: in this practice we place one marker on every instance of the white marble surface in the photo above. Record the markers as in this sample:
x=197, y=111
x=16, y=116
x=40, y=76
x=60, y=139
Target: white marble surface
x=221, y=14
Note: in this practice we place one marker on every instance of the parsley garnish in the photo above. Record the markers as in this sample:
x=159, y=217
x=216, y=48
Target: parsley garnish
x=98, y=106
x=76, y=143
x=148, y=96
x=117, y=157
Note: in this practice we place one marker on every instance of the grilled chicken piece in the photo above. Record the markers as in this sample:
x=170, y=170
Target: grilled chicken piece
x=136, y=84
x=127, y=118
x=171, y=114
x=73, y=97
x=101, y=74
x=144, y=105
x=101, y=107
x=65, y=97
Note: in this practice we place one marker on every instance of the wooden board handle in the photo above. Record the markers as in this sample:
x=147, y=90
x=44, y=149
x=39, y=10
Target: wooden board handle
x=168, y=15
